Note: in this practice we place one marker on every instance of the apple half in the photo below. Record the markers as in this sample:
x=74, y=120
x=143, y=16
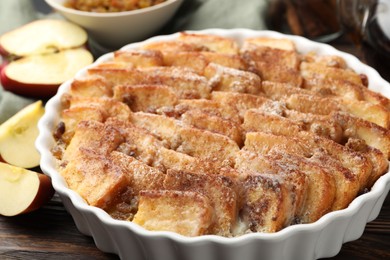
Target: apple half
x=22, y=191
x=18, y=135
x=40, y=56
x=42, y=36
x=40, y=75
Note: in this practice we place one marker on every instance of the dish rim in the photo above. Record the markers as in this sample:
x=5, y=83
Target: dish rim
x=47, y=123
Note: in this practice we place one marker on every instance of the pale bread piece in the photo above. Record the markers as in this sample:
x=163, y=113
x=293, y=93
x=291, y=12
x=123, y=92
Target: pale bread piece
x=146, y=98
x=212, y=43
x=114, y=65
x=279, y=90
x=233, y=61
x=282, y=44
x=292, y=122
x=371, y=133
x=199, y=60
x=173, y=46
x=256, y=120
x=90, y=108
x=325, y=60
x=81, y=108
x=97, y=180
x=171, y=159
x=241, y=102
x=311, y=70
x=375, y=98
x=336, y=87
x=213, y=107
x=188, y=213
x=228, y=79
x=90, y=86
x=94, y=136
x=138, y=143
x=275, y=58
x=142, y=176
x=71, y=117
x=206, y=145
x=195, y=60
x=323, y=125
x=164, y=128
x=324, y=106
x=139, y=58
x=375, y=113
x=215, y=187
x=273, y=64
x=216, y=124
x=183, y=81
x=112, y=107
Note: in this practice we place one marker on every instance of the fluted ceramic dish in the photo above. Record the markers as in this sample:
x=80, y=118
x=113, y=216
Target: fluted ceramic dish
x=322, y=238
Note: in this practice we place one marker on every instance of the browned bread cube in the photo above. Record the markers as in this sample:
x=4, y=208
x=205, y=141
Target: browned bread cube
x=185, y=82
x=213, y=123
x=241, y=102
x=91, y=86
x=214, y=187
x=94, y=136
x=228, y=79
x=282, y=44
x=147, y=98
x=188, y=213
x=210, y=42
x=265, y=203
x=205, y=145
x=139, y=58
x=98, y=180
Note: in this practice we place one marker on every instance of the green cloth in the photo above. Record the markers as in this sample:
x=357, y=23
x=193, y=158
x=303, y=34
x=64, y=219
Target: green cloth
x=192, y=15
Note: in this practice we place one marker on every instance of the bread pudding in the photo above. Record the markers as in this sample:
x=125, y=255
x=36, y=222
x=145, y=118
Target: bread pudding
x=207, y=135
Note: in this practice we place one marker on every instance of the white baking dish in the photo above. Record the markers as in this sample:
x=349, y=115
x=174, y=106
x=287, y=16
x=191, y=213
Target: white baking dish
x=323, y=238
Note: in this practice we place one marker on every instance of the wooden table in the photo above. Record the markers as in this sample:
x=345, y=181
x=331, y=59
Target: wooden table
x=50, y=233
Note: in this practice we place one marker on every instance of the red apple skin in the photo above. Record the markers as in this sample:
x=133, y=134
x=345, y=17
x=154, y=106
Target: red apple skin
x=30, y=90
x=44, y=194
x=3, y=65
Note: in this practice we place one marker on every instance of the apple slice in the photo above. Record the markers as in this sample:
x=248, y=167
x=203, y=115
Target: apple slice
x=40, y=75
x=22, y=191
x=17, y=137
x=42, y=36
x=41, y=55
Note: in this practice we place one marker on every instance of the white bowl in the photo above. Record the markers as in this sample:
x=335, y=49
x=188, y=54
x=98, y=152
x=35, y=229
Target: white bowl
x=322, y=238
x=113, y=30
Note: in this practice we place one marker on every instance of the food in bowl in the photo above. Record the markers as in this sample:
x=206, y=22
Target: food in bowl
x=207, y=135
x=112, y=30
x=104, y=6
